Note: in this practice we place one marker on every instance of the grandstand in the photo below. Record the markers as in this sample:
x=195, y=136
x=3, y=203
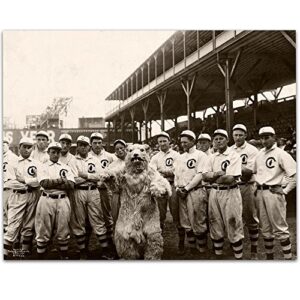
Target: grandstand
x=198, y=70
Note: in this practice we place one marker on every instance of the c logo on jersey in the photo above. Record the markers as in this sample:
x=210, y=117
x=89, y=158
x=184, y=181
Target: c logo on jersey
x=244, y=158
x=31, y=170
x=191, y=163
x=91, y=168
x=63, y=173
x=169, y=162
x=104, y=163
x=225, y=164
x=4, y=166
x=270, y=162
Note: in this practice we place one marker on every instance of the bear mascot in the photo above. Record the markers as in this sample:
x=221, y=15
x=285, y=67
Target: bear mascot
x=137, y=232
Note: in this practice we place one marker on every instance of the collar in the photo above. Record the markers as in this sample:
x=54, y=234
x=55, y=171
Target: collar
x=165, y=152
x=192, y=149
x=51, y=163
x=226, y=152
x=241, y=147
x=268, y=150
x=21, y=158
x=89, y=156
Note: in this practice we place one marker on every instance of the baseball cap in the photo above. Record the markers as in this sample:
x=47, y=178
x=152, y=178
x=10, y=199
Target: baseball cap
x=120, y=142
x=97, y=135
x=65, y=136
x=26, y=140
x=43, y=133
x=204, y=136
x=188, y=133
x=267, y=130
x=221, y=132
x=240, y=126
x=83, y=139
x=5, y=140
x=54, y=145
x=164, y=134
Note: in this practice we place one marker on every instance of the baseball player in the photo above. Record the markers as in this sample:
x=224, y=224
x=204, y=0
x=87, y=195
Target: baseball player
x=53, y=210
x=223, y=170
x=193, y=201
x=248, y=154
x=10, y=161
x=23, y=200
x=163, y=162
x=66, y=157
x=271, y=165
x=39, y=151
x=204, y=143
x=87, y=200
x=105, y=159
x=119, y=163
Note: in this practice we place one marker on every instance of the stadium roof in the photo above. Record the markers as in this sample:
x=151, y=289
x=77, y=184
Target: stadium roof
x=261, y=61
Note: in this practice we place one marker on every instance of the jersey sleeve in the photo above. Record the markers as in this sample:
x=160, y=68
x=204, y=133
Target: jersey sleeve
x=153, y=162
x=202, y=162
x=287, y=163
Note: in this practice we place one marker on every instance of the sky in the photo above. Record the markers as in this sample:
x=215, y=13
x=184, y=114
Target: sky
x=86, y=65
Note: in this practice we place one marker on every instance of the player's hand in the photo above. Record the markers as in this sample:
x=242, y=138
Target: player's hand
x=181, y=192
x=276, y=190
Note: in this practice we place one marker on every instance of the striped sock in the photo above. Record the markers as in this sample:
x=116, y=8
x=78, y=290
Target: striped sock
x=286, y=249
x=218, y=246
x=191, y=238
x=103, y=240
x=201, y=240
x=253, y=233
x=237, y=248
x=7, y=250
x=41, y=248
x=269, y=246
x=27, y=244
x=80, y=239
x=63, y=248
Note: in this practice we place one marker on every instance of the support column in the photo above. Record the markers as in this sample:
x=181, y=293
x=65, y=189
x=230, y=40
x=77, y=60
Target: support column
x=150, y=128
x=161, y=99
x=228, y=72
x=115, y=128
x=108, y=135
x=132, y=111
x=145, y=106
x=122, y=125
x=140, y=131
x=255, y=111
x=187, y=86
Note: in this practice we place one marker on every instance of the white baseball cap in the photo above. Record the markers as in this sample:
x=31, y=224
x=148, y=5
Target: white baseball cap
x=83, y=139
x=188, y=133
x=240, y=126
x=26, y=140
x=204, y=136
x=164, y=134
x=54, y=145
x=120, y=142
x=221, y=132
x=266, y=130
x=97, y=135
x=65, y=136
x=43, y=133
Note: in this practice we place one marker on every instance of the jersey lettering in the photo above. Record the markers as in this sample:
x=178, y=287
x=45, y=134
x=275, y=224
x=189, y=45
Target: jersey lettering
x=225, y=164
x=191, y=163
x=31, y=170
x=270, y=162
x=91, y=168
x=169, y=162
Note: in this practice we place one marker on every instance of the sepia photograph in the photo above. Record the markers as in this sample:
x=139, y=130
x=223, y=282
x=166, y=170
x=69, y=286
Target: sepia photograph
x=149, y=145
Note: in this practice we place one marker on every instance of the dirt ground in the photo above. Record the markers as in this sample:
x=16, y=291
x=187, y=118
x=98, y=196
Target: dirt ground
x=171, y=242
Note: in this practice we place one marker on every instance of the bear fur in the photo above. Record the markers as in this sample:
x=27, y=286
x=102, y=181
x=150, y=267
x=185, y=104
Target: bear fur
x=137, y=232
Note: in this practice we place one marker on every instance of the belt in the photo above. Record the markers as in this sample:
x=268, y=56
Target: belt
x=197, y=187
x=86, y=188
x=266, y=187
x=208, y=187
x=223, y=188
x=6, y=189
x=23, y=191
x=53, y=196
